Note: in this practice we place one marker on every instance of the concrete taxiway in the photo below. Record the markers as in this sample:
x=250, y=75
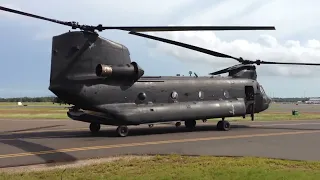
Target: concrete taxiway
x=25, y=142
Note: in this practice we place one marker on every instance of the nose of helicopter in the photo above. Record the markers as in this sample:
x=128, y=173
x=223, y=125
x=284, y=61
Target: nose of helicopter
x=266, y=102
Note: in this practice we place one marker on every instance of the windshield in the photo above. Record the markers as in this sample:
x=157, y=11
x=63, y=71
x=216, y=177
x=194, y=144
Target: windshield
x=262, y=90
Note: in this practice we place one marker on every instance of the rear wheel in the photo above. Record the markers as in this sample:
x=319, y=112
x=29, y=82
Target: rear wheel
x=94, y=128
x=122, y=131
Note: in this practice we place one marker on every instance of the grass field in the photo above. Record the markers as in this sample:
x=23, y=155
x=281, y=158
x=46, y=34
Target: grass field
x=56, y=111
x=33, y=110
x=181, y=167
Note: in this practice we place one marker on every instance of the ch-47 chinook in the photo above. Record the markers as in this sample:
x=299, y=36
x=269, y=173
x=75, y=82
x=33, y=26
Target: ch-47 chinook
x=105, y=87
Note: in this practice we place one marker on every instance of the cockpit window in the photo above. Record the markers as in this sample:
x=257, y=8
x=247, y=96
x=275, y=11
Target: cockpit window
x=262, y=90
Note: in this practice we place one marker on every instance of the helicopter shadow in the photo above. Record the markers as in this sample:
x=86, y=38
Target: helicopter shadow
x=142, y=131
x=31, y=129
x=28, y=146
x=145, y=131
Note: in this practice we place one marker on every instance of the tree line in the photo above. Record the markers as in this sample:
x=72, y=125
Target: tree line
x=52, y=99
x=289, y=99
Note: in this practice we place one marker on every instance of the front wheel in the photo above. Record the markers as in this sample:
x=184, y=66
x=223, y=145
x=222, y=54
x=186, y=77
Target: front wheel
x=223, y=126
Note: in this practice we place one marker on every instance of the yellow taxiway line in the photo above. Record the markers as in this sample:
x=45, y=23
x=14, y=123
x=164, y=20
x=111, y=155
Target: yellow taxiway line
x=152, y=143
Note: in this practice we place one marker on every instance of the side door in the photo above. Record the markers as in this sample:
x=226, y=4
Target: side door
x=250, y=100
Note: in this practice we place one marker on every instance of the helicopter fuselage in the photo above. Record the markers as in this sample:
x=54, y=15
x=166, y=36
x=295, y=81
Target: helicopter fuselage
x=160, y=99
x=97, y=76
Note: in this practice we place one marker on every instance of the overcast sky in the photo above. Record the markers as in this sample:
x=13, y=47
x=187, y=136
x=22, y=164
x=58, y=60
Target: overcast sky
x=26, y=43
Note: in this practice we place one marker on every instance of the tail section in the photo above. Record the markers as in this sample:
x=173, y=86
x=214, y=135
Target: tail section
x=76, y=54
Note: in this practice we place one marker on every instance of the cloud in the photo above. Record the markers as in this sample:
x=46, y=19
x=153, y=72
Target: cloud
x=94, y=12
x=293, y=40
x=265, y=48
x=289, y=43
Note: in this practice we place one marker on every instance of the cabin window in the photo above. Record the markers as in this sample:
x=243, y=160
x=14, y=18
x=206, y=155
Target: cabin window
x=201, y=94
x=174, y=95
x=142, y=96
x=226, y=94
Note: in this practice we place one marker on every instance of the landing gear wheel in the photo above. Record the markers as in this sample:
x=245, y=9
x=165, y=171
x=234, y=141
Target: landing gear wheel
x=223, y=126
x=94, y=128
x=219, y=127
x=190, y=124
x=122, y=131
x=178, y=124
x=150, y=125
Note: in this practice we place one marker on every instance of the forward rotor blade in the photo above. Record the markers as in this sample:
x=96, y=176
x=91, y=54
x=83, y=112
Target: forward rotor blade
x=217, y=54
x=188, y=46
x=288, y=63
x=222, y=71
x=190, y=28
x=225, y=70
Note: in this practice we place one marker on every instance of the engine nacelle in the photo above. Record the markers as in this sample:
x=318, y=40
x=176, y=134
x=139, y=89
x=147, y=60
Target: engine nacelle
x=120, y=72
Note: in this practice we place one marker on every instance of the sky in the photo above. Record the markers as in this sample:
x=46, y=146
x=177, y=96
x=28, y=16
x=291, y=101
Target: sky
x=25, y=48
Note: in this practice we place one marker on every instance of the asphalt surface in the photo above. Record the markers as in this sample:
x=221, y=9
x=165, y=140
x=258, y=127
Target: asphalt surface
x=26, y=142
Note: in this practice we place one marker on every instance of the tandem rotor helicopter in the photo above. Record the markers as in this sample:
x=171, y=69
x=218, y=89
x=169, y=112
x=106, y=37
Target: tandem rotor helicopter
x=97, y=76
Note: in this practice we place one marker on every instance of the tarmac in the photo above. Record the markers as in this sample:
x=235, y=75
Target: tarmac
x=27, y=142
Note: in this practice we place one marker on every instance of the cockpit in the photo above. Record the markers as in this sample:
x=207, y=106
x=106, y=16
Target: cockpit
x=262, y=90
x=265, y=99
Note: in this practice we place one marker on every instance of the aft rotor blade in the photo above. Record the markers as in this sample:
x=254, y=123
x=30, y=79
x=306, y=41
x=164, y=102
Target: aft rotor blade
x=189, y=28
x=99, y=27
x=34, y=16
x=188, y=46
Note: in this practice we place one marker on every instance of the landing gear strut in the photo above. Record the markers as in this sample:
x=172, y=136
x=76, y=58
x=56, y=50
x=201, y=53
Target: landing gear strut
x=223, y=125
x=122, y=131
x=94, y=128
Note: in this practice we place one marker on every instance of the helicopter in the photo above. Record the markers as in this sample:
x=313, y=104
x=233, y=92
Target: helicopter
x=97, y=76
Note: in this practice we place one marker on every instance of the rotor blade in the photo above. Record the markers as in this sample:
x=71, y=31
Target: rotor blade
x=141, y=28
x=288, y=63
x=222, y=71
x=35, y=16
x=189, y=28
x=225, y=70
x=188, y=46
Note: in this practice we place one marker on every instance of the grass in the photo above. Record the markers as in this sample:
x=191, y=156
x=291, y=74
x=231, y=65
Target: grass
x=181, y=167
x=30, y=104
x=56, y=111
